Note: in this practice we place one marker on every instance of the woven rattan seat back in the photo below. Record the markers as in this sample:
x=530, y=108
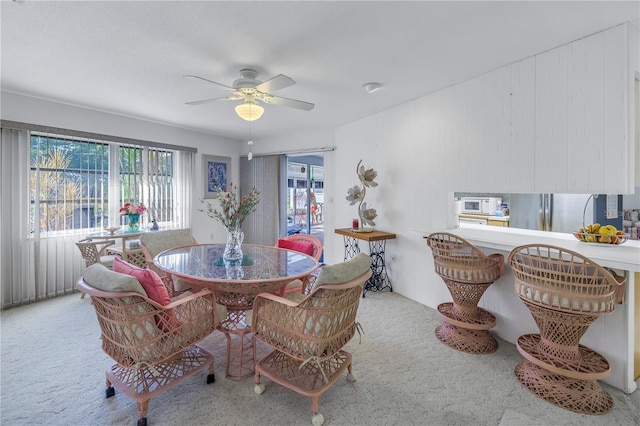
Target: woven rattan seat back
x=302, y=285
x=92, y=251
x=153, y=345
x=306, y=238
x=308, y=334
x=562, y=279
x=455, y=258
x=153, y=243
x=320, y=325
x=565, y=292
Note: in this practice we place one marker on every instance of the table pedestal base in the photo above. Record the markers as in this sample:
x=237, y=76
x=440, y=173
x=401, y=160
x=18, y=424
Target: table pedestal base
x=239, y=354
x=581, y=396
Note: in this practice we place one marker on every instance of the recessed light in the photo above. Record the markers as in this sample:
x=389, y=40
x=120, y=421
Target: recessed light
x=372, y=87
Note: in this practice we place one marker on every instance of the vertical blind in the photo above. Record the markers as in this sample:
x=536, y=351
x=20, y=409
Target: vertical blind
x=263, y=172
x=56, y=189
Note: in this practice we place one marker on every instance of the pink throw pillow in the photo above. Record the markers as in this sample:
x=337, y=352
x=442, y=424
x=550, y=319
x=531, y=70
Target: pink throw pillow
x=156, y=291
x=149, y=280
x=299, y=246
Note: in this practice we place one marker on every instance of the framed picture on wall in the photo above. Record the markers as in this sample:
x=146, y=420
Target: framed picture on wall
x=216, y=171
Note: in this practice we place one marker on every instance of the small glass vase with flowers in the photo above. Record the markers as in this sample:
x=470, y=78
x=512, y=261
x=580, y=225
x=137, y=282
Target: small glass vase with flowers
x=133, y=213
x=233, y=211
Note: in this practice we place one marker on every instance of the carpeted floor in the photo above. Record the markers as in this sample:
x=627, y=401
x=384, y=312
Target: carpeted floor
x=52, y=373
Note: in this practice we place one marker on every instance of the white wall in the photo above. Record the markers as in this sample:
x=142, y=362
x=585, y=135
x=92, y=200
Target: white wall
x=46, y=113
x=480, y=135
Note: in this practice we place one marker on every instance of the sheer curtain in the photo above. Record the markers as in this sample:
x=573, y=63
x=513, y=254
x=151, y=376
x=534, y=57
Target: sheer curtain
x=263, y=172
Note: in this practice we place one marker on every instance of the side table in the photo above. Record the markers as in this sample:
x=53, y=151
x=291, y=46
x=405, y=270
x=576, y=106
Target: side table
x=377, y=242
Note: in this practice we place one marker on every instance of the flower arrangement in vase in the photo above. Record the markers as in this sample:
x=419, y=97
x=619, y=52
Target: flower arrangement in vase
x=233, y=211
x=133, y=212
x=357, y=193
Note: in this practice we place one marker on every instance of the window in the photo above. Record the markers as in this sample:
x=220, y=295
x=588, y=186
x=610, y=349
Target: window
x=70, y=182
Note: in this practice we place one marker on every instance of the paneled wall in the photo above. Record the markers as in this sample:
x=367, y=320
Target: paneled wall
x=556, y=122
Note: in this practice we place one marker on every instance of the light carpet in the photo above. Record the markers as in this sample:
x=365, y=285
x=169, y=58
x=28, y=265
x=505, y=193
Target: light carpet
x=52, y=373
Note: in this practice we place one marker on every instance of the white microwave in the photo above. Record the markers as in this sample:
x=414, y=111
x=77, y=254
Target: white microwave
x=480, y=205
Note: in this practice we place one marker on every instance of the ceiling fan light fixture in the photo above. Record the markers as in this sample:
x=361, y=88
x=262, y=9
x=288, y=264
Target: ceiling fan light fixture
x=249, y=111
x=372, y=87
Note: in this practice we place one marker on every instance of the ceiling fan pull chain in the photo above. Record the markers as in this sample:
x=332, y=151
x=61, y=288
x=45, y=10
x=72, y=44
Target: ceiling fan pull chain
x=250, y=143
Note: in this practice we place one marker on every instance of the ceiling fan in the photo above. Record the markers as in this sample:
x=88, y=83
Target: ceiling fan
x=251, y=90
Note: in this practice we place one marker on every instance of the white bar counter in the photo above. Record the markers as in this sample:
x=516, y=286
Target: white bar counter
x=611, y=335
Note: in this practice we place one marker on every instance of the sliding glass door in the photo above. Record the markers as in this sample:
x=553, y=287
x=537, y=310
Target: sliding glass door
x=305, y=195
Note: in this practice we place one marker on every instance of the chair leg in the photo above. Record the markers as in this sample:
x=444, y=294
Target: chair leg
x=143, y=409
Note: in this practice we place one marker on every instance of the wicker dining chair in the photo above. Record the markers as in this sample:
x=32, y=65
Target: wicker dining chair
x=467, y=272
x=154, y=242
x=308, y=333
x=93, y=251
x=307, y=244
x=153, y=345
x=565, y=292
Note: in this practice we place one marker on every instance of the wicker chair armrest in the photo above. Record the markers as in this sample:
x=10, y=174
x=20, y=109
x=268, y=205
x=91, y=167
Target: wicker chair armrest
x=260, y=300
x=620, y=289
x=92, y=291
x=186, y=298
x=309, y=280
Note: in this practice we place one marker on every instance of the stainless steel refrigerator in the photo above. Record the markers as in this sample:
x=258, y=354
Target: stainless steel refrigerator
x=550, y=212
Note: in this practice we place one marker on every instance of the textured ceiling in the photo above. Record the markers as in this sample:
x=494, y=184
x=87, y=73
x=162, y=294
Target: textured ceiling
x=129, y=57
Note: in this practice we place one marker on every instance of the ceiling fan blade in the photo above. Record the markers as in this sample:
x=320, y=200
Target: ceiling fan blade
x=278, y=82
x=195, y=77
x=278, y=100
x=206, y=101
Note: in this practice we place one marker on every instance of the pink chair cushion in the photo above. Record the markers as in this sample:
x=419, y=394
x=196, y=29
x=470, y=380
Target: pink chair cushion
x=299, y=246
x=156, y=291
x=149, y=280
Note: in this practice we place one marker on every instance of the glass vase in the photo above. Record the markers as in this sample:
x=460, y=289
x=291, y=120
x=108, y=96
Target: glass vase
x=134, y=222
x=234, y=269
x=233, y=249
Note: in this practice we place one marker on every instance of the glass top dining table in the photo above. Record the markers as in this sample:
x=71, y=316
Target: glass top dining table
x=235, y=285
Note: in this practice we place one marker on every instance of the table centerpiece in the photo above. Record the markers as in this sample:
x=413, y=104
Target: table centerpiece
x=133, y=213
x=233, y=212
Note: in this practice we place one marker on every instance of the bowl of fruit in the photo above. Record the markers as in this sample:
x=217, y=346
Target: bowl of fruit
x=601, y=234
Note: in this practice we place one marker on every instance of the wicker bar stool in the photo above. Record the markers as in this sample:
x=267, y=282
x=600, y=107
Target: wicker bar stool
x=467, y=272
x=565, y=292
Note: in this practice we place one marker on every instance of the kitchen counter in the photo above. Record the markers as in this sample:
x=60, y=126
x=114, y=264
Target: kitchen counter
x=625, y=256
x=502, y=221
x=611, y=335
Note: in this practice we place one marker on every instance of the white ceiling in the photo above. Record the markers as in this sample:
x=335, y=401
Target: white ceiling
x=129, y=57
